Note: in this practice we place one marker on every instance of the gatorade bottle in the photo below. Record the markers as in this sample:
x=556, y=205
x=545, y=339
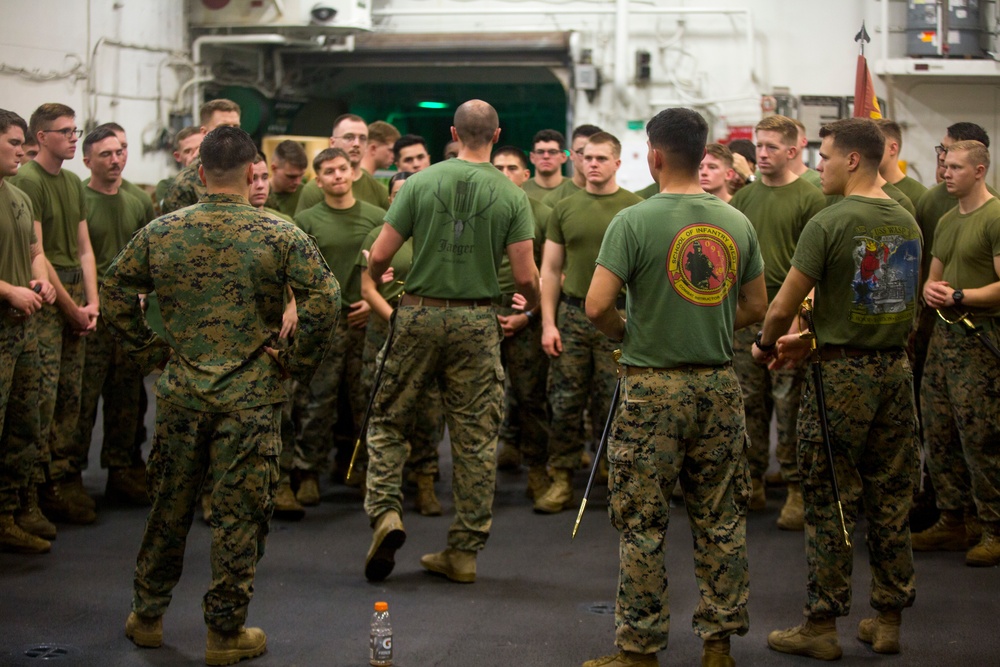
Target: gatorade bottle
x=381, y=637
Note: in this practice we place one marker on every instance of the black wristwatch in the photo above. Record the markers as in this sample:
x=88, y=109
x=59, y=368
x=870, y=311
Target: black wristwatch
x=760, y=345
x=957, y=297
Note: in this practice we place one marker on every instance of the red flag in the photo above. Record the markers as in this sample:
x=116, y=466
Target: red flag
x=865, y=102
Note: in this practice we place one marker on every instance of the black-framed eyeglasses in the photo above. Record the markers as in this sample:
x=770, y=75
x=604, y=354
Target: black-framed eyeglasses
x=68, y=132
x=940, y=150
x=351, y=138
x=551, y=152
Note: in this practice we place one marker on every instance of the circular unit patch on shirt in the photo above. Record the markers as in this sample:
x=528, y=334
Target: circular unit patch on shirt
x=701, y=264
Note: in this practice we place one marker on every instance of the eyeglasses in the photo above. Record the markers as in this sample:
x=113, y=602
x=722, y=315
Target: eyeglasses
x=551, y=152
x=351, y=138
x=68, y=132
x=940, y=150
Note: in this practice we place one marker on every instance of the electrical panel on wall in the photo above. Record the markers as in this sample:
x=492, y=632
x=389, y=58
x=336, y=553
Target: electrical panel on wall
x=303, y=16
x=815, y=111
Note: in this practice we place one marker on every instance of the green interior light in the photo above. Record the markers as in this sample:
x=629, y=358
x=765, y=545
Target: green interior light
x=433, y=105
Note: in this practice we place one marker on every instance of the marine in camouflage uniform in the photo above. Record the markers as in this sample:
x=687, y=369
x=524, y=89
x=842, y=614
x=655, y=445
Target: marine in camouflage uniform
x=220, y=393
x=186, y=189
x=862, y=256
x=462, y=215
x=680, y=414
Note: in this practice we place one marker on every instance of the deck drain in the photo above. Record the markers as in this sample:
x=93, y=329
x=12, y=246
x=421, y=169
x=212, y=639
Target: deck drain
x=603, y=608
x=48, y=652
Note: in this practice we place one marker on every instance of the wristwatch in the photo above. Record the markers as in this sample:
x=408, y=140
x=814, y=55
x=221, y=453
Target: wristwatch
x=760, y=345
x=957, y=297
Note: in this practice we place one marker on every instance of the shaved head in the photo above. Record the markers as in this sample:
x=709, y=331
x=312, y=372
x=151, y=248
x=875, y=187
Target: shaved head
x=476, y=122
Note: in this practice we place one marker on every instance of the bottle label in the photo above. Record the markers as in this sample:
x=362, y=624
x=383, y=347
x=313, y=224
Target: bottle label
x=381, y=649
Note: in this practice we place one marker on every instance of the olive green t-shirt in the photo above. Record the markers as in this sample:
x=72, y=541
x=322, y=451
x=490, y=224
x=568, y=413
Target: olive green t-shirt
x=278, y=214
x=365, y=189
x=401, y=263
x=563, y=190
x=864, y=254
x=535, y=191
x=57, y=202
x=578, y=224
x=462, y=216
x=141, y=195
x=285, y=202
x=913, y=189
x=540, y=212
x=112, y=220
x=812, y=177
x=339, y=235
x=649, y=190
x=683, y=259
x=17, y=233
x=966, y=244
x=778, y=215
x=889, y=189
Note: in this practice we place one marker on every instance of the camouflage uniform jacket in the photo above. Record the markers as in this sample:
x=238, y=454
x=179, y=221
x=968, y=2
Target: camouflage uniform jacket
x=187, y=189
x=219, y=270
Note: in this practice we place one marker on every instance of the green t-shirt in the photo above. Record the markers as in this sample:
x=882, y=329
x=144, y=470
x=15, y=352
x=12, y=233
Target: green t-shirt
x=147, y=202
x=339, y=235
x=17, y=233
x=913, y=189
x=540, y=212
x=864, y=254
x=778, y=215
x=285, y=202
x=57, y=202
x=683, y=259
x=578, y=224
x=365, y=189
x=462, y=216
x=560, y=192
x=401, y=263
x=278, y=214
x=889, y=189
x=649, y=190
x=966, y=244
x=534, y=190
x=932, y=205
x=112, y=220
x=812, y=177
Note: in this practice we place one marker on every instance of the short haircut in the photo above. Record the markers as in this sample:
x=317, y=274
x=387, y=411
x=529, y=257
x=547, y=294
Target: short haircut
x=799, y=124
x=721, y=153
x=891, y=130
x=47, y=114
x=969, y=132
x=29, y=140
x=612, y=140
x=100, y=133
x=183, y=134
x=746, y=148
x=210, y=107
x=399, y=176
x=328, y=154
x=860, y=135
x=260, y=158
x=585, y=131
x=113, y=126
x=475, y=123
x=290, y=152
x=10, y=119
x=549, y=135
x=381, y=132
x=346, y=116
x=783, y=125
x=406, y=141
x=680, y=134
x=977, y=150
x=225, y=152
x=513, y=151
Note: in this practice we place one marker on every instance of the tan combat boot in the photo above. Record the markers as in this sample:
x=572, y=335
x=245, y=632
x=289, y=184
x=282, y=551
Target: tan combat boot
x=60, y=508
x=715, y=653
x=15, y=539
x=308, y=493
x=427, y=501
x=144, y=632
x=560, y=493
x=758, y=497
x=948, y=534
x=387, y=538
x=538, y=482
x=625, y=659
x=286, y=506
x=125, y=486
x=30, y=517
x=987, y=552
x=793, y=514
x=816, y=638
x=509, y=458
x=881, y=631
x=230, y=648
x=73, y=489
x=459, y=566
